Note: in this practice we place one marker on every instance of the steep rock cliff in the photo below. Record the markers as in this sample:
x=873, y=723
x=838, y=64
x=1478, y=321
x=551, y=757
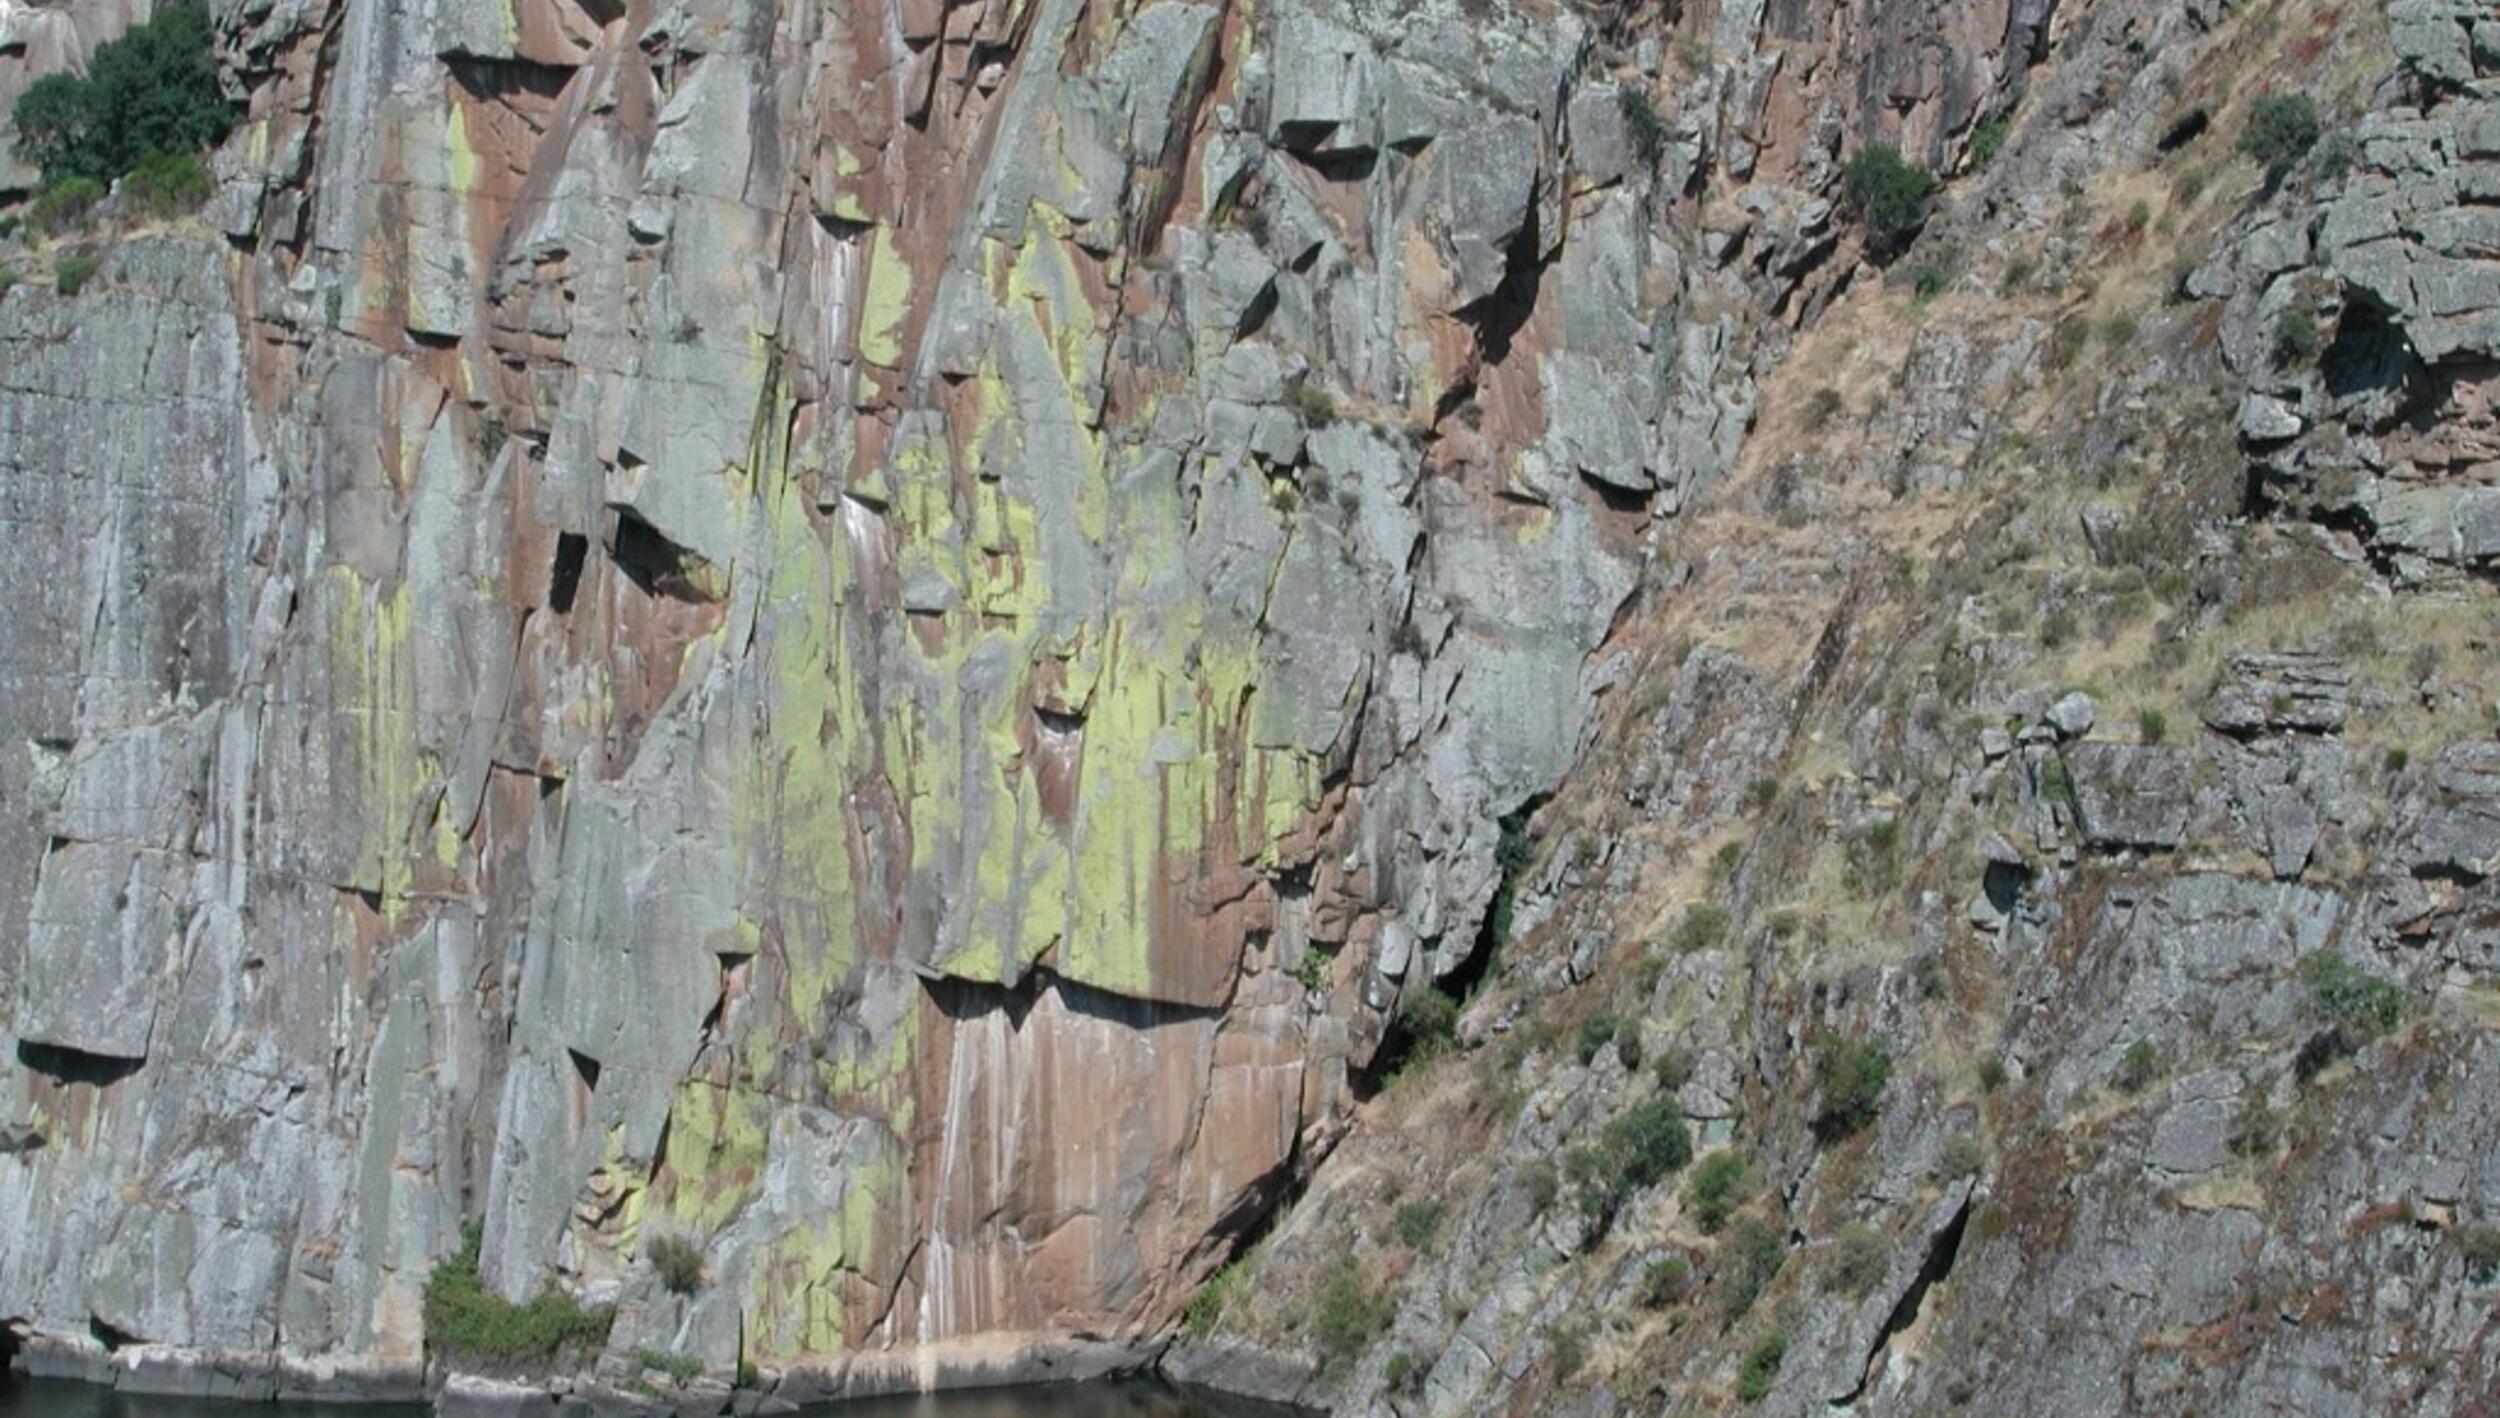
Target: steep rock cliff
x=880, y=636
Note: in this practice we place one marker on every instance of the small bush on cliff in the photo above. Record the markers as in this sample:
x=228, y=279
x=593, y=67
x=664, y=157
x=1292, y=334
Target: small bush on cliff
x=468, y=1322
x=2295, y=339
x=1596, y=1032
x=1642, y=125
x=1511, y=851
x=677, y=1261
x=2480, y=1246
x=1988, y=139
x=166, y=185
x=2281, y=130
x=1207, y=1306
x=1761, y=1367
x=1860, y=1258
x=1888, y=192
x=1702, y=928
x=72, y=272
x=1719, y=1187
x=154, y=90
x=1643, y=1147
x=1849, y=1076
x=1350, y=1314
x=64, y=206
x=681, y=1369
x=1748, y=1260
x=1666, y=1282
x=1417, y=1222
x=2136, y=1067
x=2361, y=1004
x=1428, y=1017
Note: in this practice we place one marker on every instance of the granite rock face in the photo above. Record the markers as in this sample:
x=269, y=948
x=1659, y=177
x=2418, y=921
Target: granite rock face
x=873, y=636
x=881, y=637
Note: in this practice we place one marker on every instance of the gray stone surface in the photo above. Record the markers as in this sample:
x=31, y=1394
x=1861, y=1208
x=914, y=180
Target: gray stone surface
x=700, y=619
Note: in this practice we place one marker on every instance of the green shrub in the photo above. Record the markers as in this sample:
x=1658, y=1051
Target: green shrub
x=1570, y=1351
x=2281, y=130
x=1961, y=1155
x=1666, y=1282
x=2345, y=996
x=1702, y=927
x=467, y=1322
x=1350, y=1314
x=1206, y=1307
x=1510, y=858
x=166, y=185
x=1933, y=982
x=1928, y=282
x=1822, y=409
x=682, y=1369
x=1537, y=1179
x=64, y=205
x=2136, y=1067
x=1849, y=1076
x=2395, y=759
x=2335, y=157
x=1311, y=402
x=2152, y=725
x=1749, y=1259
x=1761, y=1367
x=677, y=1261
x=1673, y=1068
x=1859, y=1259
x=1991, y=1075
x=1718, y=1188
x=1596, y=1032
x=1417, y=1222
x=2118, y=331
x=1645, y=1145
x=1650, y=1141
x=1428, y=1020
x=2295, y=339
x=2067, y=342
x=1628, y=1046
x=2480, y=1247
x=1401, y=1374
x=1887, y=191
x=71, y=273
x=2254, y=1126
x=1641, y=124
x=153, y=90
x=1988, y=139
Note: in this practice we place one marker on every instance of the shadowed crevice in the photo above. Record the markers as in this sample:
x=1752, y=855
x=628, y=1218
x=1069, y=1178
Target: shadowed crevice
x=63, y=1064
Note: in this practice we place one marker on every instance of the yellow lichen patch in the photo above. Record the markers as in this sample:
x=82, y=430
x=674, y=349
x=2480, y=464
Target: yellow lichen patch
x=374, y=689
x=716, y=1151
x=794, y=1295
x=887, y=301
x=788, y=809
